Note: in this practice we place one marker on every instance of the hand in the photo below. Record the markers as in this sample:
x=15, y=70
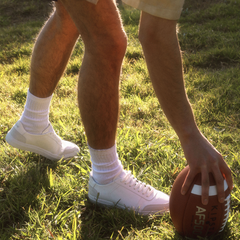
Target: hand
x=203, y=158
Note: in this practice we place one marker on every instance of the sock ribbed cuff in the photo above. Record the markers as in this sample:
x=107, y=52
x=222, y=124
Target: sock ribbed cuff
x=103, y=156
x=35, y=117
x=105, y=164
x=37, y=104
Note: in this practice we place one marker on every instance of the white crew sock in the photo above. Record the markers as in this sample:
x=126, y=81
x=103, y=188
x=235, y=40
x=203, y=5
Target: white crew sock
x=106, y=165
x=35, y=117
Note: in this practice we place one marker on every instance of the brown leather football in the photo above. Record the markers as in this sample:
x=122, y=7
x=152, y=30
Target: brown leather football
x=190, y=217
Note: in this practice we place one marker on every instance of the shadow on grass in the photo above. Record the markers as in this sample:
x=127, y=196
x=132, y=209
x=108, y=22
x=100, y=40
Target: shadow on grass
x=111, y=223
x=19, y=195
x=100, y=223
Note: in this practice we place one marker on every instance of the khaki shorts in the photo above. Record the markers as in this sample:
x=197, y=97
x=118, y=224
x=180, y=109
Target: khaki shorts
x=168, y=9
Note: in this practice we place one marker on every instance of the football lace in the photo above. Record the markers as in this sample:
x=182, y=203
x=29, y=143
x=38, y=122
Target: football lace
x=227, y=210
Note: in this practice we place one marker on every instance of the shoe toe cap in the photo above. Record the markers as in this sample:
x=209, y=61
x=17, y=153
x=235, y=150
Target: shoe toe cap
x=159, y=204
x=69, y=149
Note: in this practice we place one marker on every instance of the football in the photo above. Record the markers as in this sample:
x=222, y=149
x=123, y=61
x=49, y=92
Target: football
x=190, y=217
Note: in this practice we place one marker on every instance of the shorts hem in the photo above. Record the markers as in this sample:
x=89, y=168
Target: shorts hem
x=158, y=11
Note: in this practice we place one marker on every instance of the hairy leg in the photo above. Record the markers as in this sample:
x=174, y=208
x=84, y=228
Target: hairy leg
x=51, y=52
x=105, y=44
x=50, y=55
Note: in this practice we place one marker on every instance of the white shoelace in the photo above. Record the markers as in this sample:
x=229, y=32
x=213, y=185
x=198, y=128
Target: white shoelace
x=137, y=185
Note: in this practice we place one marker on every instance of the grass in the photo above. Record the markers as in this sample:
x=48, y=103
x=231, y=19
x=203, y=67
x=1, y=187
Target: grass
x=44, y=200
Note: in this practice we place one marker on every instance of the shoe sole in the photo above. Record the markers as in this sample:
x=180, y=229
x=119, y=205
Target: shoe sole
x=107, y=204
x=103, y=203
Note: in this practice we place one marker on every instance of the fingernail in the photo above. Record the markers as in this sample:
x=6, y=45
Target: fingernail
x=205, y=202
x=222, y=200
x=183, y=192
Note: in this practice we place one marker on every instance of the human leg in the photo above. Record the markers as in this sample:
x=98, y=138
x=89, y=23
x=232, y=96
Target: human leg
x=49, y=59
x=105, y=43
x=50, y=55
x=51, y=52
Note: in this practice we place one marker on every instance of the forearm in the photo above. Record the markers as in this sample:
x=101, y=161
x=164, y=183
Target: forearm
x=165, y=68
x=174, y=102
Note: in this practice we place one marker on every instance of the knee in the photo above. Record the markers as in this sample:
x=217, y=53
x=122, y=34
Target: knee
x=117, y=46
x=110, y=46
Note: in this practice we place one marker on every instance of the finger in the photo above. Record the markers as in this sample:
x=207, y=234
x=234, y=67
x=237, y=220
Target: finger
x=227, y=174
x=205, y=187
x=187, y=183
x=220, y=184
x=229, y=181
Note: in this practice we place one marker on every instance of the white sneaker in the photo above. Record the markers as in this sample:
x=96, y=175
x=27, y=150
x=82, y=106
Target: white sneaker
x=47, y=144
x=128, y=192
